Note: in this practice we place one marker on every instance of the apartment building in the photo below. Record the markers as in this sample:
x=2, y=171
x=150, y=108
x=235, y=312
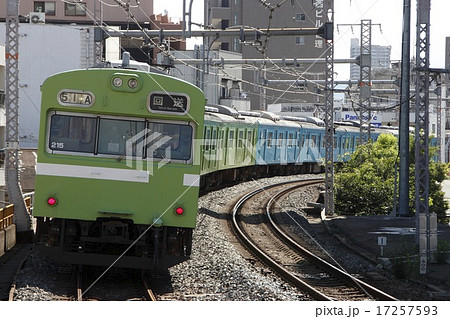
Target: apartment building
x=225, y=14
x=381, y=57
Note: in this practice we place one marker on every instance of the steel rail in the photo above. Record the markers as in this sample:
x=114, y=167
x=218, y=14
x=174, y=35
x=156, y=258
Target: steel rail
x=340, y=274
x=287, y=275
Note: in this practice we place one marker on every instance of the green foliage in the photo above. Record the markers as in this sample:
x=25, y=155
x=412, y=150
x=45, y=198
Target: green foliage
x=442, y=252
x=404, y=261
x=365, y=184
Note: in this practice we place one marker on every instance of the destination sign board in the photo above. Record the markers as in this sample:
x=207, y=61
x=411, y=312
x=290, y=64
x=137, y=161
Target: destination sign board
x=168, y=103
x=76, y=98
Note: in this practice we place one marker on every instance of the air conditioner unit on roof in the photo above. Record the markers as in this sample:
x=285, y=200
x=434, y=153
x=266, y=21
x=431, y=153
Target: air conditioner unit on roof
x=37, y=17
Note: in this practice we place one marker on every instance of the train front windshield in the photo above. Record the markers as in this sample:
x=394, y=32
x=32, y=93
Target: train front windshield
x=94, y=135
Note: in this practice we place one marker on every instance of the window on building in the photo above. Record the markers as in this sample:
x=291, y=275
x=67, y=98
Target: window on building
x=225, y=24
x=300, y=40
x=75, y=9
x=299, y=17
x=48, y=7
x=225, y=3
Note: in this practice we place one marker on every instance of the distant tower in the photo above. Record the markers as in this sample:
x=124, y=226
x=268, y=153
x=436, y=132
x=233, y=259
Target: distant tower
x=381, y=57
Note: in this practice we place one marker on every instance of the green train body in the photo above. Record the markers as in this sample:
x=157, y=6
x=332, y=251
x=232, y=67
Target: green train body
x=118, y=170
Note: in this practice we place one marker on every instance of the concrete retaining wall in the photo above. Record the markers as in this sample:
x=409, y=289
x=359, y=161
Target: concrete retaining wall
x=10, y=237
x=2, y=242
x=7, y=239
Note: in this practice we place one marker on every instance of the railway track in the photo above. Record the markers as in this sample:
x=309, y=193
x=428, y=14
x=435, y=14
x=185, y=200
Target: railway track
x=258, y=231
x=124, y=285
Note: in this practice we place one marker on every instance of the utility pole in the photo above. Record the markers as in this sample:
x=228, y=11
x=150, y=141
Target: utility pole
x=365, y=78
x=329, y=111
x=21, y=217
x=427, y=238
x=404, y=113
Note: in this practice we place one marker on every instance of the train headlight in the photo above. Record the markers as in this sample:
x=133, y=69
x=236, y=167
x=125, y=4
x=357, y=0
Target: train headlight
x=117, y=82
x=179, y=210
x=132, y=83
x=52, y=201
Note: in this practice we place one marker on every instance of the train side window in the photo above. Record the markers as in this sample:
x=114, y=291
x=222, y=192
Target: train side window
x=207, y=139
x=169, y=141
x=240, y=139
x=230, y=139
x=335, y=142
x=214, y=140
x=269, y=139
x=115, y=137
x=313, y=141
x=249, y=139
x=290, y=140
x=280, y=140
x=72, y=133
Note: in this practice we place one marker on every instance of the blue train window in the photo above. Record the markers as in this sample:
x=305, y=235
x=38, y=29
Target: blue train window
x=313, y=141
x=269, y=139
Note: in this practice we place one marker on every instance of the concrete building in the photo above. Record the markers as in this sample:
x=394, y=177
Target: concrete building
x=381, y=58
x=219, y=84
x=80, y=12
x=61, y=38
x=45, y=50
x=225, y=14
x=105, y=13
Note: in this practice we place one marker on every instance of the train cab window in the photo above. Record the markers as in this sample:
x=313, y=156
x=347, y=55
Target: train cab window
x=72, y=133
x=115, y=137
x=169, y=141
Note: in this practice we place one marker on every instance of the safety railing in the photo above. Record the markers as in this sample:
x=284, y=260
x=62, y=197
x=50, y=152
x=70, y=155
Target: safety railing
x=6, y=216
x=7, y=213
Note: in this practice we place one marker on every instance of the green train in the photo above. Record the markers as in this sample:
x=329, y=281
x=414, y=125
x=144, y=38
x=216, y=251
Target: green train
x=124, y=154
x=118, y=174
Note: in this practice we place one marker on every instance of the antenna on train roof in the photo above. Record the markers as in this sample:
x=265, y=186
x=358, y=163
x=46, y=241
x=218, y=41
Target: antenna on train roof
x=126, y=60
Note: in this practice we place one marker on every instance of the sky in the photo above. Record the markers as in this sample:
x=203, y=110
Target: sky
x=387, y=13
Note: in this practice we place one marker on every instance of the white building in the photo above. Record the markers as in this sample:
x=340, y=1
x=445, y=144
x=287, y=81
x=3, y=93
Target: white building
x=219, y=83
x=45, y=50
x=381, y=58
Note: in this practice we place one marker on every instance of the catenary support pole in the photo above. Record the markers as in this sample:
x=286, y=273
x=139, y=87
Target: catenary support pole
x=404, y=113
x=21, y=217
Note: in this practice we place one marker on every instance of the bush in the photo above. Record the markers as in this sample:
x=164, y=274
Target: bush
x=442, y=252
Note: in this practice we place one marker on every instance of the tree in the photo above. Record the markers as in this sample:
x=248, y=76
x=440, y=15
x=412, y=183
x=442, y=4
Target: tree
x=364, y=185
